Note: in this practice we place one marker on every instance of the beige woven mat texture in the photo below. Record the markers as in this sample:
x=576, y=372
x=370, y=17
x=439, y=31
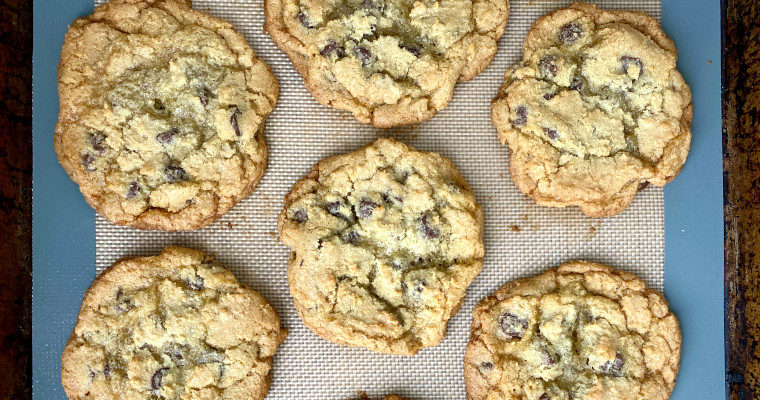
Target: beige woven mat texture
x=521, y=238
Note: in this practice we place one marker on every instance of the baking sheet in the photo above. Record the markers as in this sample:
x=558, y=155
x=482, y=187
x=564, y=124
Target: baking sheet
x=521, y=238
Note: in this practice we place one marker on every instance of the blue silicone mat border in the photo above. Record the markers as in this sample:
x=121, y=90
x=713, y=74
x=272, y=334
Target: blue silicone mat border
x=64, y=229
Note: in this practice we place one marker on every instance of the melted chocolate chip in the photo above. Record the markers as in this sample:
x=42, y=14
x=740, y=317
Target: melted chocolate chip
x=107, y=371
x=628, y=61
x=547, y=66
x=372, y=5
x=334, y=209
x=87, y=161
x=195, y=282
x=613, y=367
x=234, y=121
x=549, y=95
x=304, y=20
x=642, y=186
x=410, y=48
x=366, y=208
x=123, y=304
x=158, y=376
x=364, y=55
x=512, y=325
x=133, y=190
x=570, y=33
x=428, y=231
x=576, y=84
x=174, y=173
x=204, y=96
x=522, y=116
x=548, y=358
x=545, y=397
x=332, y=48
x=552, y=133
x=98, y=141
x=351, y=238
x=167, y=137
x=486, y=365
x=300, y=216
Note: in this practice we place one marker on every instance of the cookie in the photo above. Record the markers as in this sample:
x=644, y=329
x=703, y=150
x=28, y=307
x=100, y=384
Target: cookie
x=596, y=110
x=582, y=331
x=162, y=113
x=384, y=241
x=388, y=62
x=176, y=325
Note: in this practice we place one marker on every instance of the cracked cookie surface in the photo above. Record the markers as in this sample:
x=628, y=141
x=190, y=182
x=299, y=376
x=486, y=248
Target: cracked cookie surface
x=385, y=241
x=162, y=113
x=172, y=326
x=596, y=110
x=389, y=62
x=583, y=331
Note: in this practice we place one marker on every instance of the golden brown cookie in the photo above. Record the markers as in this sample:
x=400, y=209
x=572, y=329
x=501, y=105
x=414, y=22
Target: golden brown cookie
x=389, y=62
x=171, y=326
x=596, y=111
x=162, y=113
x=583, y=331
x=384, y=241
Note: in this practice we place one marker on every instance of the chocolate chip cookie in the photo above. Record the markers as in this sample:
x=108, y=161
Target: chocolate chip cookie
x=162, y=113
x=171, y=326
x=596, y=111
x=389, y=62
x=385, y=241
x=581, y=331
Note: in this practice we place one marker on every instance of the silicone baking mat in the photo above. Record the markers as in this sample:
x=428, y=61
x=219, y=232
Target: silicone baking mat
x=521, y=238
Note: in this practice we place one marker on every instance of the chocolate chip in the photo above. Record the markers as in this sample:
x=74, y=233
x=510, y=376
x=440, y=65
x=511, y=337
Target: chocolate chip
x=174, y=173
x=547, y=66
x=576, y=84
x=522, y=116
x=549, y=95
x=545, y=397
x=372, y=5
x=87, y=161
x=642, y=186
x=628, y=61
x=332, y=48
x=234, y=121
x=98, y=141
x=366, y=208
x=167, y=137
x=158, y=376
x=613, y=367
x=351, y=238
x=304, y=20
x=159, y=105
x=123, y=304
x=548, y=358
x=107, y=371
x=365, y=56
x=204, y=96
x=195, y=283
x=134, y=189
x=570, y=33
x=486, y=365
x=428, y=231
x=419, y=285
x=300, y=216
x=552, y=133
x=512, y=325
x=334, y=208
x=410, y=48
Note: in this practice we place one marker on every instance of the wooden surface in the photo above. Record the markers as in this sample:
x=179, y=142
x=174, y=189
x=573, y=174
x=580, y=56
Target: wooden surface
x=16, y=199
x=741, y=165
